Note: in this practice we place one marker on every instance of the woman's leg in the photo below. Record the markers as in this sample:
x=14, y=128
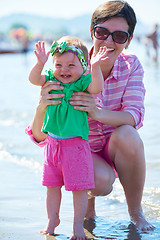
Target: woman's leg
x=104, y=179
x=80, y=200
x=127, y=152
x=53, y=202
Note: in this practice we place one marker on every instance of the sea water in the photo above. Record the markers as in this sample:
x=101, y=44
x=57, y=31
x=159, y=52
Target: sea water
x=18, y=100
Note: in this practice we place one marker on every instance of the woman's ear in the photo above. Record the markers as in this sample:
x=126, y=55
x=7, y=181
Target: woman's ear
x=91, y=32
x=130, y=39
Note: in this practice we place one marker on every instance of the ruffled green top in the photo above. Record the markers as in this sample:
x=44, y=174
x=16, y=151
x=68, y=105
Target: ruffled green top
x=63, y=120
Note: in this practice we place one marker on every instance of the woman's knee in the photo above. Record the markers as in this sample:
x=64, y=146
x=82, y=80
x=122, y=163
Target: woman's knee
x=104, y=179
x=126, y=147
x=104, y=185
x=126, y=138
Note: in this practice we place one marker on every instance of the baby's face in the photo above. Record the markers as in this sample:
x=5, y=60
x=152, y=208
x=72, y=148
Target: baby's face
x=67, y=67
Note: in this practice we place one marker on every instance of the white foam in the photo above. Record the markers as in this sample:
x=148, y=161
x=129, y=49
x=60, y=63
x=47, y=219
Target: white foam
x=23, y=161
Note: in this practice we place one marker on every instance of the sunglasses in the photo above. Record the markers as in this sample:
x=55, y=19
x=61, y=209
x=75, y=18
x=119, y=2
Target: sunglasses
x=102, y=33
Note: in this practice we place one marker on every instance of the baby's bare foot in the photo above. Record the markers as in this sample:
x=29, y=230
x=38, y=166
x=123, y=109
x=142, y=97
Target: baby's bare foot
x=140, y=222
x=52, y=224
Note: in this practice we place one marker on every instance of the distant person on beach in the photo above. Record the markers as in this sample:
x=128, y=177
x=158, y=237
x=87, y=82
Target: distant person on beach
x=67, y=155
x=115, y=114
x=153, y=39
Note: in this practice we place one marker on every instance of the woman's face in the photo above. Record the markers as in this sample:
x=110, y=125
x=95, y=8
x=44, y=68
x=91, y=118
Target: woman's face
x=114, y=49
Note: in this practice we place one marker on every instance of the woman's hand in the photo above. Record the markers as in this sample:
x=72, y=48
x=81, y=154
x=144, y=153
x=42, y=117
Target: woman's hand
x=86, y=102
x=44, y=101
x=112, y=118
x=46, y=98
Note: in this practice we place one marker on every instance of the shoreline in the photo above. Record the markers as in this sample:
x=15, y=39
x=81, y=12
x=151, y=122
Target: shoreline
x=22, y=212
x=23, y=205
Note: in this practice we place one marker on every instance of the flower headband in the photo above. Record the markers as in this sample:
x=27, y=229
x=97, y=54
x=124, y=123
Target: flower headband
x=63, y=47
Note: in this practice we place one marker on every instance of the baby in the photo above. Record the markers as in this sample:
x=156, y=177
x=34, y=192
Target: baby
x=67, y=155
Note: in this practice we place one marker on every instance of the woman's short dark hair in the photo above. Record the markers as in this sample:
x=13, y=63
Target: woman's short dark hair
x=112, y=9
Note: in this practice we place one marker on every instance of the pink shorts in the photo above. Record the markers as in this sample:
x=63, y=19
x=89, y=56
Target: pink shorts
x=105, y=155
x=68, y=162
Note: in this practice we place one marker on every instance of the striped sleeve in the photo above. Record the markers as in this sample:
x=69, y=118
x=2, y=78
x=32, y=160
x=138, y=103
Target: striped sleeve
x=28, y=131
x=133, y=97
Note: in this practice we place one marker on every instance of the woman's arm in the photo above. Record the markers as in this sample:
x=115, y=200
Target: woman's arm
x=111, y=118
x=45, y=99
x=114, y=118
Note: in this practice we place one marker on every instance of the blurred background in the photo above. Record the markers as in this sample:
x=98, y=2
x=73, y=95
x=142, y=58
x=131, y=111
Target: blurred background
x=21, y=25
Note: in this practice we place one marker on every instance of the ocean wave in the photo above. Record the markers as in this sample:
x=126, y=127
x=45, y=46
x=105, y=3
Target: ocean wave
x=23, y=161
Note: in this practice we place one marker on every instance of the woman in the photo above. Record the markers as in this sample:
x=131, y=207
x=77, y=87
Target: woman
x=115, y=114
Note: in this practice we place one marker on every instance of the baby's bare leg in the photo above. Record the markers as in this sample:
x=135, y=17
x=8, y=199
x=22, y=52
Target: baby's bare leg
x=80, y=200
x=53, y=206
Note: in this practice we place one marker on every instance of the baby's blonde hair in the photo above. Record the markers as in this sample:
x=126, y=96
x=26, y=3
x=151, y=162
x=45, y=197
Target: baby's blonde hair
x=74, y=41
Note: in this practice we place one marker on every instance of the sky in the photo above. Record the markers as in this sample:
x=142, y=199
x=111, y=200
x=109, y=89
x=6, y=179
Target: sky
x=147, y=11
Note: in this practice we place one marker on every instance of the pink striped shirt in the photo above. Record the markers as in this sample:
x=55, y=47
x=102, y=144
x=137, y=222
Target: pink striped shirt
x=123, y=91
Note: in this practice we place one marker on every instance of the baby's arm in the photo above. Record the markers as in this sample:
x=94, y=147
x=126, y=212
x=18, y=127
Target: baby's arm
x=35, y=76
x=97, y=83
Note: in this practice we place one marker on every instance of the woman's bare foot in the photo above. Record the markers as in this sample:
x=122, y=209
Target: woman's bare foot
x=78, y=232
x=52, y=224
x=140, y=222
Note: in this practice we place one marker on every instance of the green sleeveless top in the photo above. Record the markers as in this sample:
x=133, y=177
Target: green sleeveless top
x=63, y=120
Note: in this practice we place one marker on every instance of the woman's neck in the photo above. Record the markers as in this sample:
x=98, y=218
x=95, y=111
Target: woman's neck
x=106, y=69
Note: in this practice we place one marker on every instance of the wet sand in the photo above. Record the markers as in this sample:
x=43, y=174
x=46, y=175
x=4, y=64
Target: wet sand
x=22, y=211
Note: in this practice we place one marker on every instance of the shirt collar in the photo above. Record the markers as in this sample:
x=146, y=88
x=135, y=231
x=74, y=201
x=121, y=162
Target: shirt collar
x=115, y=71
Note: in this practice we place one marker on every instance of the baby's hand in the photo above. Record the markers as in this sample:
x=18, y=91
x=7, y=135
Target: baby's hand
x=40, y=53
x=102, y=55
